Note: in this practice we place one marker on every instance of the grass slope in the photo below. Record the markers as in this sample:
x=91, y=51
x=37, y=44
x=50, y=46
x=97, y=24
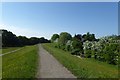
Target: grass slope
x=0, y=67
x=83, y=68
x=20, y=64
x=8, y=49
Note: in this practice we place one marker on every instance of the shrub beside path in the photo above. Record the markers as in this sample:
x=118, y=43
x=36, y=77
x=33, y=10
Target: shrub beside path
x=49, y=67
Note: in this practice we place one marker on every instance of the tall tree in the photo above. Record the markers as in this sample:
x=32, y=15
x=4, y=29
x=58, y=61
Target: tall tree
x=9, y=39
x=78, y=36
x=89, y=37
x=54, y=37
x=23, y=40
x=64, y=37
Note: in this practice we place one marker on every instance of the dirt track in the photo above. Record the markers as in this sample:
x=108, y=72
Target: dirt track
x=49, y=67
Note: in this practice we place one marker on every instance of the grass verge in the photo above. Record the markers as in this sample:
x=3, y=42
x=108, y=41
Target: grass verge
x=20, y=64
x=82, y=68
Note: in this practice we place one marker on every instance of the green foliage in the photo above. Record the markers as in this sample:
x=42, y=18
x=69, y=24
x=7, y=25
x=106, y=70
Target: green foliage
x=23, y=40
x=54, y=37
x=111, y=53
x=62, y=47
x=89, y=37
x=77, y=46
x=85, y=67
x=78, y=36
x=104, y=50
x=88, y=53
x=34, y=40
x=64, y=37
x=43, y=40
x=11, y=40
x=68, y=48
x=75, y=52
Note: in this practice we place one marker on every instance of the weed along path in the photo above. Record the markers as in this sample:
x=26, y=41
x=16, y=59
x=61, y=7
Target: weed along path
x=50, y=68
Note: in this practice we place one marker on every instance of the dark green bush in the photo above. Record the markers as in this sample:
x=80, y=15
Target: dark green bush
x=75, y=52
x=88, y=54
x=68, y=48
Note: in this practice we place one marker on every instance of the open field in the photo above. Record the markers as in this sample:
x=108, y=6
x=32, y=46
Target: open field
x=20, y=64
x=83, y=68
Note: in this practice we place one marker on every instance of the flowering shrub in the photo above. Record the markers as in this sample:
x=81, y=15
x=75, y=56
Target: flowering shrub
x=103, y=50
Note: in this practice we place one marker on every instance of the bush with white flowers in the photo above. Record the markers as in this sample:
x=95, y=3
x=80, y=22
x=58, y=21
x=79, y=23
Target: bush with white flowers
x=103, y=50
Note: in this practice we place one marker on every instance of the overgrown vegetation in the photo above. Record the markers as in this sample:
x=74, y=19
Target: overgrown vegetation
x=105, y=49
x=82, y=67
x=20, y=64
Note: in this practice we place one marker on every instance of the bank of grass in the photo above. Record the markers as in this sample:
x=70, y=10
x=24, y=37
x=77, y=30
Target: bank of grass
x=82, y=68
x=20, y=64
x=0, y=67
x=8, y=49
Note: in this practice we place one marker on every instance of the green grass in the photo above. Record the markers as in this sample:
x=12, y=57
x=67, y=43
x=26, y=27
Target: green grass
x=20, y=64
x=82, y=68
x=0, y=67
x=8, y=49
x=0, y=64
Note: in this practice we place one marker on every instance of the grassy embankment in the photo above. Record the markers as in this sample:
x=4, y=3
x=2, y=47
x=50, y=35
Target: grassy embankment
x=8, y=49
x=20, y=64
x=82, y=68
x=0, y=64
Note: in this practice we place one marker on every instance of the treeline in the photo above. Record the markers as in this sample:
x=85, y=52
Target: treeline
x=104, y=49
x=11, y=40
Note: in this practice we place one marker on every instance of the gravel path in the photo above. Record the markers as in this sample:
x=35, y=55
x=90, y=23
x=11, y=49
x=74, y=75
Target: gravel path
x=49, y=67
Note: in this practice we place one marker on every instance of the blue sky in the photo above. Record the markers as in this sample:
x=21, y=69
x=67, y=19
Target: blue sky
x=44, y=19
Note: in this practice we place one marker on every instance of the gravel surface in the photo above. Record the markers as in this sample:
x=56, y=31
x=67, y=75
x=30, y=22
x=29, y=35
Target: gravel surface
x=49, y=67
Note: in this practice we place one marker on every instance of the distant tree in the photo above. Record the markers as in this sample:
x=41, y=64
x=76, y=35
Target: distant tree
x=78, y=36
x=54, y=37
x=43, y=40
x=23, y=40
x=89, y=37
x=9, y=39
x=34, y=40
x=92, y=37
